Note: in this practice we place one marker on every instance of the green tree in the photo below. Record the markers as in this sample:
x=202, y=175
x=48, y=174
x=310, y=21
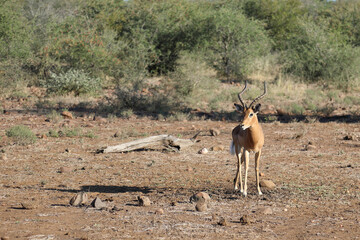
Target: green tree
x=14, y=38
x=281, y=17
x=236, y=42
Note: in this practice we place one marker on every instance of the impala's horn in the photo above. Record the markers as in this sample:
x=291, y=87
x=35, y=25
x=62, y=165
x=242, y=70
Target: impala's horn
x=259, y=97
x=239, y=96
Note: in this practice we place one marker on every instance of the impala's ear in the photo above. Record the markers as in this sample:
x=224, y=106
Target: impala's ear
x=256, y=109
x=239, y=108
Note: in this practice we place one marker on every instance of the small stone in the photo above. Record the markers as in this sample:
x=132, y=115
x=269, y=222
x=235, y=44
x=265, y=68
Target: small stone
x=201, y=206
x=3, y=157
x=310, y=147
x=144, y=201
x=4, y=238
x=267, y=211
x=117, y=134
x=79, y=198
x=223, y=222
x=244, y=220
x=116, y=208
x=214, y=132
x=261, y=174
x=173, y=203
x=27, y=206
x=203, y=151
x=267, y=184
x=97, y=203
x=65, y=170
x=159, y=211
x=67, y=114
x=218, y=148
x=99, y=119
x=281, y=112
x=348, y=137
x=198, y=196
x=189, y=169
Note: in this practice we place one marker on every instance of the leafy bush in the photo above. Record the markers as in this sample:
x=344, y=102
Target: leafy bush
x=280, y=16
x=14, y=37
x=317, y=55
x=21, y=134
x=237, y=42
x=73, y=81
x=76, y=43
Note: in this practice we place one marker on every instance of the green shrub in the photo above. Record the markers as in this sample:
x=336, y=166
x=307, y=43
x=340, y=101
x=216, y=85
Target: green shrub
x=281, y=17
x=21, y=134
x=14, y=31
x=317, y=55
x=73, y=81
x=297, y=109
x=236, y=43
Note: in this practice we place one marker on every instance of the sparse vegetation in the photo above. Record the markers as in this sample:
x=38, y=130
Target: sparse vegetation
x=21, y=135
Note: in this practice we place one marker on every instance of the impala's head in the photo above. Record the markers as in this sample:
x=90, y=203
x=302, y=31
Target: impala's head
x=250, y=112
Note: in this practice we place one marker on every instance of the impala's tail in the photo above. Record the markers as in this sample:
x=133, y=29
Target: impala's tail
x=232, y=148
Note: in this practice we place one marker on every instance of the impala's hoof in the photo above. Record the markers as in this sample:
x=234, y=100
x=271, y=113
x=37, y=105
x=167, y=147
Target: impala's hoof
x=244, y=194
x=260, y=193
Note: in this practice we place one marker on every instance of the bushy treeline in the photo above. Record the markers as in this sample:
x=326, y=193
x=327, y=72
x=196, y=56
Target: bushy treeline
x=125, y=42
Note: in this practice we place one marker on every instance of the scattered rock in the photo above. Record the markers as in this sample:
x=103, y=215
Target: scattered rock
x=97, y=203
x=117, y=134
x=198, y=196
x=159, y=211
x=310, y=146
x=214, y=132
x=281, y=112
x=223, y=222
x=189, y=169
x=348, y=137
x=203, y=151
x=244, y=220
x=27, y=206
x=267, y=184
x=67, y=114
x=4, y=238
x=99, y=119
x=201, y=205
x=261, y=174
x=267, y=211
x=3, y=157
x=173, y=203
x=144, y=201
x=116, y=208
x=79, y=199
x=65, y=170
x=218, y=148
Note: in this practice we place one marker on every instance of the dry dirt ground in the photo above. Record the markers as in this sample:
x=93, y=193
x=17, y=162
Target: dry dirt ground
x=317, y=192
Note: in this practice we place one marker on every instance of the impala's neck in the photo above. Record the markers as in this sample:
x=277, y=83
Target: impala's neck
x=254, y=133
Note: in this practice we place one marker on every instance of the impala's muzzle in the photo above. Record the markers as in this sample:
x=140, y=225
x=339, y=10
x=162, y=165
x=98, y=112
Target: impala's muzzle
x=244, y=127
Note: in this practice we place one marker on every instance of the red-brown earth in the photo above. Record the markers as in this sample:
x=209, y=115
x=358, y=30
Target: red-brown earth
x=316, y=196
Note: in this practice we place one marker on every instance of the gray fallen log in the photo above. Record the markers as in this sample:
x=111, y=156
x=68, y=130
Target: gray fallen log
x=168, y=141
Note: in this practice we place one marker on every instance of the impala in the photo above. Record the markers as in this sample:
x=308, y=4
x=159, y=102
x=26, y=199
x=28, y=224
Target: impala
x=247, y=137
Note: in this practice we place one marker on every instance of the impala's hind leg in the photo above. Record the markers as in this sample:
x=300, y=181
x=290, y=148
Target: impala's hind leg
x=246, y=166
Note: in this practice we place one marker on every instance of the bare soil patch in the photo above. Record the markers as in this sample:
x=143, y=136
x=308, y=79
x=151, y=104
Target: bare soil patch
x=316, y=196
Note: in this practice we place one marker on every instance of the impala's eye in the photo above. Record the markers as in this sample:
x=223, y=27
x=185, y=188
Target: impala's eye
x=251, y=115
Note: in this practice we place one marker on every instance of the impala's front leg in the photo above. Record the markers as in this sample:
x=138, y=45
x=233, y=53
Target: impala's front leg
x=246, y=166
x=257, y=161
x=238, y=172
